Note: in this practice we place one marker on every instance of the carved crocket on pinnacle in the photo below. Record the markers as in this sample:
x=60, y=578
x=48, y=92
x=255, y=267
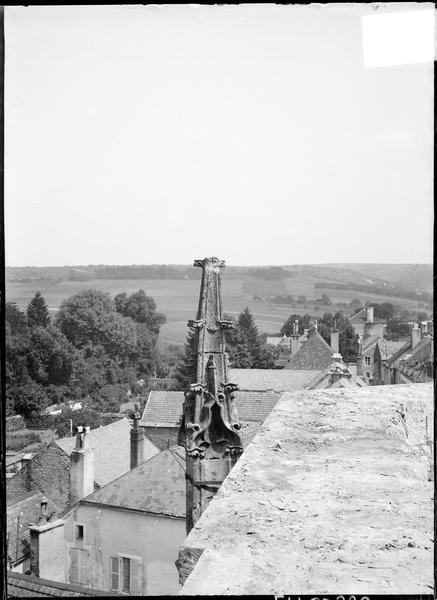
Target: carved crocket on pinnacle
x=210, y=430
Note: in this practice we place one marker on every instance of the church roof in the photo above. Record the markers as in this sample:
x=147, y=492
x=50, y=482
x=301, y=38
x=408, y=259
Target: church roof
x=315, y=354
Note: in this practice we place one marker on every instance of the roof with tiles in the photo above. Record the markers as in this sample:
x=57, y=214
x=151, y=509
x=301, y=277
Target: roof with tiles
x=388, y=347
x=315, y=354
x=277, y=380
x=111, y=445
x=165, y=408
x=20, y=514
x=157, y=486
x=29, y=586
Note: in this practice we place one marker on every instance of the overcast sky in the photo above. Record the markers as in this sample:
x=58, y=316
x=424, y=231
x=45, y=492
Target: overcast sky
x=139, y=135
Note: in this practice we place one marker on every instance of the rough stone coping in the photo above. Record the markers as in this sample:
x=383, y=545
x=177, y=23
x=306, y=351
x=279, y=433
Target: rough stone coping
x=332, y=496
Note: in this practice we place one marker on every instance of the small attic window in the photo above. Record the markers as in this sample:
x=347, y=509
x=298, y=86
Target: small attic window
x=78, y=531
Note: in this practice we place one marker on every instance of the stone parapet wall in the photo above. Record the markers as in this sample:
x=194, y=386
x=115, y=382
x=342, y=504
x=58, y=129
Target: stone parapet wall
x=332, y=494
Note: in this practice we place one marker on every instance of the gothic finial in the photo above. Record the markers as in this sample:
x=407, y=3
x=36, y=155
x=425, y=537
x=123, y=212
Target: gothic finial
x=210, y=426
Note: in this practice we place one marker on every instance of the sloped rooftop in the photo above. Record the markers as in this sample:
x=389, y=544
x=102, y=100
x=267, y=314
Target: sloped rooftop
x=165, y=408
x=278, y=380
x=111, y=445
x=29, y=586
x=388, y=348
x=369, y=342
x=315, y=354
x=20, y=514
x=332, y=494
x=156, y=486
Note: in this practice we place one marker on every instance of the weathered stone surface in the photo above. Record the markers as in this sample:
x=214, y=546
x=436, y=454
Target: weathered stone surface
x=332, y=496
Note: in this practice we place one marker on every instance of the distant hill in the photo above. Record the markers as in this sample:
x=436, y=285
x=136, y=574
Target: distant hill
x=408, y=276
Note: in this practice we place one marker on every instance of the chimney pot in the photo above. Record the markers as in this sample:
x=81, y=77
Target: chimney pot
x=136, y=442
x=81, y=466
x=335, y=340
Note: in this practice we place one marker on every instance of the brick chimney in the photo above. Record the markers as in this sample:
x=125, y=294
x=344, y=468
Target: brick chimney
x=81, y=466
x=295, y=339
x=416, y=335
x=136, y=442
x=370, y=310
x=47, y=546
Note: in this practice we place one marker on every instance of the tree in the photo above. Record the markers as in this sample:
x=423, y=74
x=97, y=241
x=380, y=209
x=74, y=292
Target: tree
x=28, y=397
x=17, y=345
x=385, y=311
x=396, y=329
x=37, y=312
x=305, y=322
x=186, y=370
x=141, y=308
x=301, y=300
x=249, y=331
x=85, y=318
x=325, y=299
x=237, y=347
x=167, y=359
x=356, y=303
x=267, y=357
x=51, y=356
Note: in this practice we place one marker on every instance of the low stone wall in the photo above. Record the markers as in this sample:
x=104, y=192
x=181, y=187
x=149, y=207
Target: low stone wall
x=333, y=494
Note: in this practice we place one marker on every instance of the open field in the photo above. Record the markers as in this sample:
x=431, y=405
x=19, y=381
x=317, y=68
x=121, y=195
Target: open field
x=178, y=298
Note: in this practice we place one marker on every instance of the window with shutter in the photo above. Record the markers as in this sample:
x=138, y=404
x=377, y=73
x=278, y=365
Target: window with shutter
x=79, y=566
x=126, y=575
x=115, y=573
x=135, y=577
x=74, y=565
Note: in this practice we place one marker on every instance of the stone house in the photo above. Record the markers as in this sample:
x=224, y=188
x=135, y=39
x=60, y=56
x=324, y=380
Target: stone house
x=125, y=537
x=48, y=471
x=408, y=362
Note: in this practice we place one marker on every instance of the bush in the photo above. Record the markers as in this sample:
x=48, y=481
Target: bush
x=18, y=440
